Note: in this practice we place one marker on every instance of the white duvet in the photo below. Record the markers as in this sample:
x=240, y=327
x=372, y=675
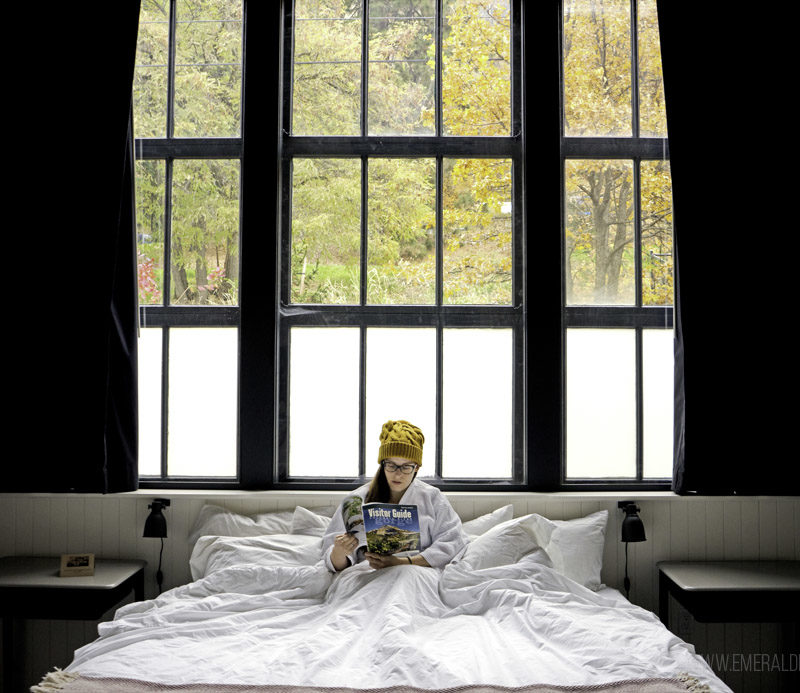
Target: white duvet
x=258, y=617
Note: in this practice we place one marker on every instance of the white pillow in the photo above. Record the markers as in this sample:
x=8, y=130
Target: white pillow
x=575, y=546
x=213, y=553
x=213, y=520
x=504, y=544
x=307, y=522
x=481, y=524
x=326, y=510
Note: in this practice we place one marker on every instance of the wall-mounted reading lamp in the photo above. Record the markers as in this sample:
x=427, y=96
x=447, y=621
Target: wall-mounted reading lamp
x=632, y=530
x=156, y=526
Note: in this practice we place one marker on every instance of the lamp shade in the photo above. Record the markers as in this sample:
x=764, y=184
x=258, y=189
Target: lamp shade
x=156, y=524
x=632, y=525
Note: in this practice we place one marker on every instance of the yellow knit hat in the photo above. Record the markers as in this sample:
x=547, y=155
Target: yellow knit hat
x=401, y=439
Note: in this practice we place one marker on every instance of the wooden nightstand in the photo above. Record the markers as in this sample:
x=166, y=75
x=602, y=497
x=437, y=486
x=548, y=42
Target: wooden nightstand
x=31, y=588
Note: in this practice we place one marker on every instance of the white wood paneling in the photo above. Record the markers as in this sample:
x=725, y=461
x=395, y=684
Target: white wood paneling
x=678, y=528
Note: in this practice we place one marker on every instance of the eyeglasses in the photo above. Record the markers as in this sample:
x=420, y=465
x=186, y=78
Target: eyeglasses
x=405, y=468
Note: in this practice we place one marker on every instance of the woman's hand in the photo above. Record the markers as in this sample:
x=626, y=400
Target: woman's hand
x=343, y=546
x=378, y=560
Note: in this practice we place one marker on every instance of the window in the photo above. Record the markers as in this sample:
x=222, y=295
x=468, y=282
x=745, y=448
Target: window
x=187, y=124
x=617, y=245
x=401, y=278
x=401, y=267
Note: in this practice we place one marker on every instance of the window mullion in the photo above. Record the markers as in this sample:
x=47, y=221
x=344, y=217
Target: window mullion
x=639, y=406
x=364, y=243
x=364, y=68
x=637, y=232
x=439, y=400
x=362, y=402
x=634, y=69
x=437, y=73
x=164, y=400
x=439, y=233
x=171, y=48
x=167, y=279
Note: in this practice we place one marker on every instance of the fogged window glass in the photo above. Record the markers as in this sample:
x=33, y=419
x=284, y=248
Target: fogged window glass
x=203, y=394
x=601, y=403
x=477, y=403
x=412, y=397
x=323, y=401
x=149, y=361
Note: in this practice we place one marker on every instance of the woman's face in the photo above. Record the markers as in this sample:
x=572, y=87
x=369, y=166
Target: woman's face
x=398, y=479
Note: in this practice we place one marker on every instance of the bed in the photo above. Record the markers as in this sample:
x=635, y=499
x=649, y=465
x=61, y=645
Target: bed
x=521, y=609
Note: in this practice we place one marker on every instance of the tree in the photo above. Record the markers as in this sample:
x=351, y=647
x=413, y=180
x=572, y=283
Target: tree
x=204, y=265
x=599, y=239
x=476, y=203
x=401, y=213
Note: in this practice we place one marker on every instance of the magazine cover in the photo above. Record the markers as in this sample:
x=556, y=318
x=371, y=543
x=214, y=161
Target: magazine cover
x=391, y=529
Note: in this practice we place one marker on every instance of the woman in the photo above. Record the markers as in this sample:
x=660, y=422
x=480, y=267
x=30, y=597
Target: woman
x=400, y=457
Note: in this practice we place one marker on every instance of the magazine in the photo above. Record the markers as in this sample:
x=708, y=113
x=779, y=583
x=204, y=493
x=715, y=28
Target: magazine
x=353, y=520
x=391, y=529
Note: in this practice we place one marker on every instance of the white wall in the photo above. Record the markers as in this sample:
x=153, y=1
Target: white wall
x=678, y=528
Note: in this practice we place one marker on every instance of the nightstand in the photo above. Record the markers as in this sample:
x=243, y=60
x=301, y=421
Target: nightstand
x=731, y=591
x=31, y=588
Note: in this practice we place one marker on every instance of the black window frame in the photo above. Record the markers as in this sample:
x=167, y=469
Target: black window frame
x=538, y=151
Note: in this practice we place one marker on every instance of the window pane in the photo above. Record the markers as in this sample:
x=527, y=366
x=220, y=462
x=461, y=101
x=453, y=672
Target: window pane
x=326, y=230
x=205, y=232
x=599, y=233
x=411, y=397
x=476, y=68
x=477, y=228
x=149, y=361
x=208, y=68
x=150, y=231
x=477, y=398
x=657, y=275
x=401, y=67
x=658, y=369
x=597, y=68
x=203, y=377
x=402, y=231
x=326, y=96
x=601, y=403
x=652, y=112
x=323, y=401
x=150, y=74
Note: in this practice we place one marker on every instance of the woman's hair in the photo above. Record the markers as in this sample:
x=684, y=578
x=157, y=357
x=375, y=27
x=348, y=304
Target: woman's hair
x=378, y=491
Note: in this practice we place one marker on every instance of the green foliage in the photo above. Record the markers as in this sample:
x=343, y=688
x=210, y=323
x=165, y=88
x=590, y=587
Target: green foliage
x=204, y=256
x=326, y=193
x=600, y=195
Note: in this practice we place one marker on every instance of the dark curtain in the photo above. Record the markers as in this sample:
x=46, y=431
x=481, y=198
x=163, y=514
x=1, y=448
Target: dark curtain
x=73, y=326
x=725, y=81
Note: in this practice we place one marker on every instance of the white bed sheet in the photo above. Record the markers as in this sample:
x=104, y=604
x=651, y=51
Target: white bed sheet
x=258, y=619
